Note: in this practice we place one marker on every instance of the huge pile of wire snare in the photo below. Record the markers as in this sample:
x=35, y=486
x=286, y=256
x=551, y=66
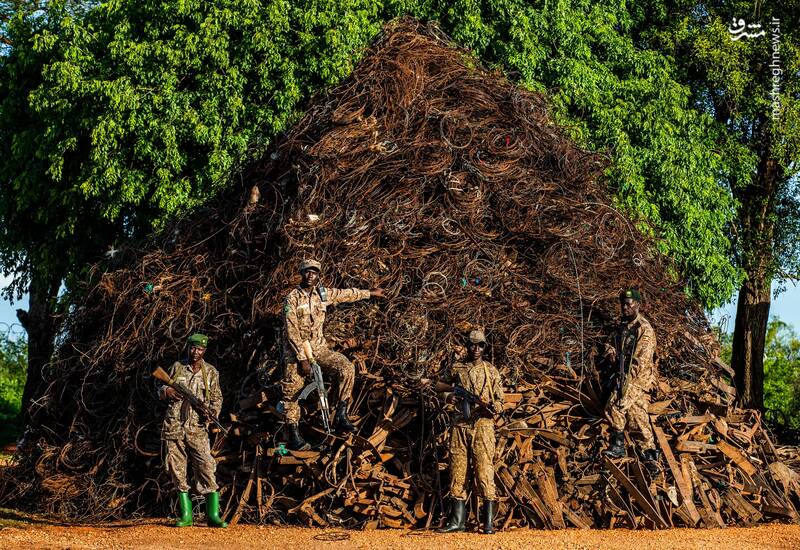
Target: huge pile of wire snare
x=451, y=188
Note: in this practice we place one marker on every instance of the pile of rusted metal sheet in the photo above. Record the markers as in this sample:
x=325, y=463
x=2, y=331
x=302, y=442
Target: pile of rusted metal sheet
x=451, y=188
x=718, y=468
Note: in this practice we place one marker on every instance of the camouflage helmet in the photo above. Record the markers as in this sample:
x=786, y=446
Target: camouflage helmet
x=477, y=337
x=310, y=264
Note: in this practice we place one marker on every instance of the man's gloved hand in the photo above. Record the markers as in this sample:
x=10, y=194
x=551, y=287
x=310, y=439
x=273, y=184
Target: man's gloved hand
x=305, y=367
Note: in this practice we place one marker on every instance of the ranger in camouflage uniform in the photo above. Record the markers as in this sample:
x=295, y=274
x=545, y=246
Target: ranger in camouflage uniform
x=634, y=341
x=473, y=434
x=304, y=316
x=185, y=434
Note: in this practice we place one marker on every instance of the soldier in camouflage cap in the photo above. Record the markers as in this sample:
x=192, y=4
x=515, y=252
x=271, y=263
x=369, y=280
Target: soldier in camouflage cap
x=472, y=433
x=304, y=316
x=184, y=432
x=631, y=351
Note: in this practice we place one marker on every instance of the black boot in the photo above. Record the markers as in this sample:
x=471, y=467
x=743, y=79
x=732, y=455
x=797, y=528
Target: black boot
x=296, y=441
x=458, y=512
x=489, y=509
x=651, y=462
x=341, y=423
x=617, y=448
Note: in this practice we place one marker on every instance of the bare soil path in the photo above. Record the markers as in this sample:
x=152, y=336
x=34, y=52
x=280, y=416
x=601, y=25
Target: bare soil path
x=157, y=535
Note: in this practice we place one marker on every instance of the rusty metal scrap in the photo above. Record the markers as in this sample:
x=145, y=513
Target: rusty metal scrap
x=451, y=188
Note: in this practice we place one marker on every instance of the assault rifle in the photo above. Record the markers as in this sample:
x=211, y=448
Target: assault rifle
x=317, y=385
x=468, y=400
x=621, y=338
x=200, y=406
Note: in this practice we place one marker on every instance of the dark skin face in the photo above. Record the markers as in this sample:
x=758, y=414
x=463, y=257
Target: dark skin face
x=629, y=308
x=195, y=354
x=475, y=350
x=310, y=278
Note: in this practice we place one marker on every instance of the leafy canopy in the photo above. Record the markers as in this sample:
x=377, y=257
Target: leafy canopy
x=751, y=87
x=116, y=118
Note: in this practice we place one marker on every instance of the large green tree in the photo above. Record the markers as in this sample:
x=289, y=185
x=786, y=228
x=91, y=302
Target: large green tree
x=750, y=85
x=118, y=116
x=781, y=377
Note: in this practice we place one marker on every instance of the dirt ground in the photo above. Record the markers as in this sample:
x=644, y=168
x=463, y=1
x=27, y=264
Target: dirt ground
x=157, y=535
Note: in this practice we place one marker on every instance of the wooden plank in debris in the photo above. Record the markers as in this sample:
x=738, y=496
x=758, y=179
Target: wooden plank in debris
x=576, y=519
x=620, y=503
x=643, y=501
x=743, y=509
x=738, y=457
x=694, y=420
x=685, y=446
x=525, y=493
x=546, y=483
x=642, y=485
x=680, y=481
x=781, y=511
x=711, y=513
x=259, y=495
x=246, y=493
x=306, y=509
x=659, y=407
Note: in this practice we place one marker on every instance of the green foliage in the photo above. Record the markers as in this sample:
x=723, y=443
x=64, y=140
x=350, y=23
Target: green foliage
x=13, y=364
x=781, y=374
x=122, y=115
x=752, y=91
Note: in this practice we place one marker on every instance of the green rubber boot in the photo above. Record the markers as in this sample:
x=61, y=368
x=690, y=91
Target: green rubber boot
x=212, y=511
x=185, y=503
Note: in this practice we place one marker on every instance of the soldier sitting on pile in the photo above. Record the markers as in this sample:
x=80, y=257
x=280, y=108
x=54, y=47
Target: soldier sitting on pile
x=632, y=354
x=472, y=433
x=185, y=432
x=304, y=316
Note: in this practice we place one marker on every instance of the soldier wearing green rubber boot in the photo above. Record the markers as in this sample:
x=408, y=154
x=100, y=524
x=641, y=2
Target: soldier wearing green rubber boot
x=185, y=433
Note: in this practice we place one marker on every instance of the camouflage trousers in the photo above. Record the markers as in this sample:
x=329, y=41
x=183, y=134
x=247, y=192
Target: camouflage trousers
x=632, y=410
x=293, y=383
x=194, y=447
x=476, y=439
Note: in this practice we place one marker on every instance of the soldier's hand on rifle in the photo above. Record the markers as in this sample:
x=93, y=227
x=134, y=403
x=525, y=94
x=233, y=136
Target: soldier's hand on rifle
x=452, y=399
x=173, y=394
x=305, y=367
x=610, y=353
x=376, y=293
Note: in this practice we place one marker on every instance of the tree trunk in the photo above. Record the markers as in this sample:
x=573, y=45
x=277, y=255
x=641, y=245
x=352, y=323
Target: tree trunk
x=40, y=324
x=749, y=335
x=757, y=223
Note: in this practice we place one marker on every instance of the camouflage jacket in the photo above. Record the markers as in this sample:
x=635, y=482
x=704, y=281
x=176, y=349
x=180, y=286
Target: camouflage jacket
x=480, y=378
x=304, y=315
x=181, y=418
x=637, y=342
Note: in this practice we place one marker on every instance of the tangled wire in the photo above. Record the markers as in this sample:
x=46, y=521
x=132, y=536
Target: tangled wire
x=422, y=173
